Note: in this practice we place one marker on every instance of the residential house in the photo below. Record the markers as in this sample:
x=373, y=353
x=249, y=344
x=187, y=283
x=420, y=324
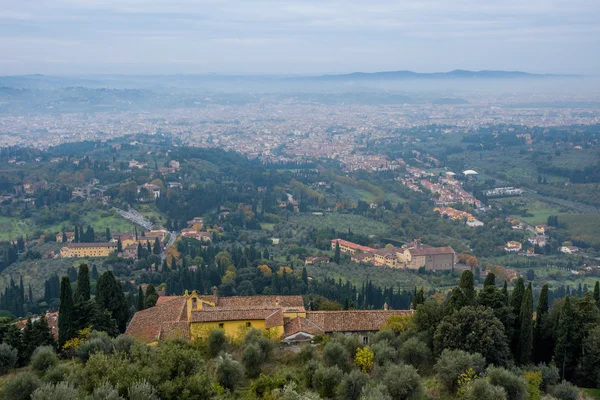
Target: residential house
x=513, y=246
x=569, y=249
x=315, y=260
x=83, y=250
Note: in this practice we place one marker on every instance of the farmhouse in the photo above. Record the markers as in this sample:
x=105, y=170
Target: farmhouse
x=193, y=316
x=81, y=250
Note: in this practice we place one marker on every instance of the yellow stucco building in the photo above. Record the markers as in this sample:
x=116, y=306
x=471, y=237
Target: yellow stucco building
x=85, y=250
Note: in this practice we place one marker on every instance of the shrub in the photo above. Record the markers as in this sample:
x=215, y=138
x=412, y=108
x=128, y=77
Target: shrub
x=57, y=374
x=21, y=387
x=8, y=357
x=534, y=380
x=92, y=346
x=61, y=390
x=43, y=358
x=309, y=372
x=265, y=384
x=565, y=391
x=288, y=392
x=550, y=376
x=385, y=334
x=123, y=344
x=415, y=353
x=105, y=391
x=326, y=380
x=378, y=392
x=229, y=372
x=142, y=390
x=349, y=342
x=334, y=354
x=217, y=342
x=515, y=386
x=252, y=359
x=481, y=389
x=364, y=359
x=384, y=352
x=403, y=383
x=352, y=385
x=200, y=386
x=452, y=363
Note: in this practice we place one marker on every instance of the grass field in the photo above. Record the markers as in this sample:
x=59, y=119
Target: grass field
x=541, y=212
x=591, y=393
x=267, y=226
x=341, y=222
x=586, y=226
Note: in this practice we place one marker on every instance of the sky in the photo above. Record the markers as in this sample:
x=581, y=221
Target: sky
x=66, y=37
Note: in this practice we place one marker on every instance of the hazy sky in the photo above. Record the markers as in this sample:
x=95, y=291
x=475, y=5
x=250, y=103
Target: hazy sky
x=297, y=36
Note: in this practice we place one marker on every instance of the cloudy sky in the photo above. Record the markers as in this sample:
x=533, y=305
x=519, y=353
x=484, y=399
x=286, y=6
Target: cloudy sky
x=297, y=36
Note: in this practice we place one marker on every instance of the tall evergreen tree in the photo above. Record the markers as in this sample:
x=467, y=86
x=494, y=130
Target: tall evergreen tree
x=119, y=245
x=151, y=296
x=337, y=254
x=83, y=291
x=108, y=235
x=564, y=354
x=541, y=337
x=66, y=317
x=64, y=237
x=76, y=235
x=467, y=286
x=597, y=293
x=110, y=296
x=94, y=272
x=141, y=298
x=156, y=248
x=516, y=300
x=526, y=328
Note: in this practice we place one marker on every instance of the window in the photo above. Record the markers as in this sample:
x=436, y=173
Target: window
x=194, y=303
x=248, y=324
x=365, y=340
x=221, y=325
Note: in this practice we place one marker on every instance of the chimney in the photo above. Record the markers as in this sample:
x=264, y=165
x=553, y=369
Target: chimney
x=214, y=291
x=385, y=306
x=277, y=302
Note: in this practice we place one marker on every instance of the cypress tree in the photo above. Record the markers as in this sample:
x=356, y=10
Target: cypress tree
x=64, y=237
x=76, y=235
x=83, y=291
x=467, y=286
x=597, y=293
x=108, y=235
x=140, y=303
x=66, y=317
x=526, y=328
x=119, y=246
x=505, y=292
x=94, y=273
x=490, y=280
x=565, y=338
x=516, y=300
x=110, y=296
x=139, y=251
x=156, y=248
x=305, y=276
x=541, y=346
x=148, y=247
x=30, y=293
x=337, y=254
x=151, y=296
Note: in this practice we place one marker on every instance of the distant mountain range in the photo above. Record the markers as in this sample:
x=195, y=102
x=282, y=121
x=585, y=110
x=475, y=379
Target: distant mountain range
x=455, y=74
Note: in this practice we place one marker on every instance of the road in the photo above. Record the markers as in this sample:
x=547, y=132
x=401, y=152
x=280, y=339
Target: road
x=135, y=217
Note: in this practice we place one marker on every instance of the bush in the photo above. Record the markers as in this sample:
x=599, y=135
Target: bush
x=364, y=359
x=217, y=342
x=534, y=380
x=142, y=390
x=352, y=385
x=43, y=358
x=21, y=387
x=378, y=392
x=550, y=376
x=515, y=386
x=452, y=363
x=255, y=336
x=326, y=380
x=403, y=383
x=289, y=393
x=334, y=354
x=309, y=372
x=349, y=342
x=200, y=386
x=265, y=384
x=415, y=353
x=229, y=372
x=105, y=392
x=384, y=352
x=56, y=374
x=8, y=357
x=92, y=346
x=252, y=359
x=481, y=389
x=565, y=391
x=123, y=344
x=61, y=390
x=385, y=334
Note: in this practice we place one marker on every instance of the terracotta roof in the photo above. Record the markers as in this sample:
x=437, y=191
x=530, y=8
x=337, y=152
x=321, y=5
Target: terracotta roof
x=300, y=324
x=352, y=320
x=238, y=314
x=164, y=299
x=352, y=245
x=172, y=330
x=95, y=244
x=431, y=251
x=261, y=301
x=146, y=324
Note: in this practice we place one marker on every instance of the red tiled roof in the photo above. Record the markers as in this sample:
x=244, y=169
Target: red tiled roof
x=95, y=244
x=146, y=324
x=352, y=245
x=300, y=324
x=352, y=320
x=431, y=251
x=238, y=314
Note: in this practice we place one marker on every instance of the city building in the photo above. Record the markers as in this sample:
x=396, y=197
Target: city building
x=82, y=250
